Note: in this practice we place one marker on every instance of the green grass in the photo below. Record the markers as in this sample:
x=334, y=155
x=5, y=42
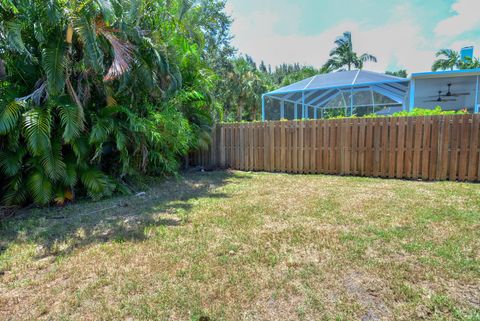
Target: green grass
x=250, y=246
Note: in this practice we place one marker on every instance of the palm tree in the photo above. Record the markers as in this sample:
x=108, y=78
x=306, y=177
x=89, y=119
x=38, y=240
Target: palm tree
x=470, y=63
x=343, y=55
x=244, y=82
x=90, y=84
x=448, y=59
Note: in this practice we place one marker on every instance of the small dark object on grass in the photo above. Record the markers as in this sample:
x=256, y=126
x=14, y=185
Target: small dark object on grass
x=7, y=211
x=56, y=218
x=201, y=169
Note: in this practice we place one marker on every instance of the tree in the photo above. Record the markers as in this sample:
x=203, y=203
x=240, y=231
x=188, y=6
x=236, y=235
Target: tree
x=447, y=59
x=402, y=73
x=343, y=56
x=470, y=63
x=92, y=83
x=263, y=67
x=246, y=87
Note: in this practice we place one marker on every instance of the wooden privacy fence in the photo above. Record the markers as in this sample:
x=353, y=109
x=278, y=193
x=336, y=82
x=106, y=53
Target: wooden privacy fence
x=428, y=148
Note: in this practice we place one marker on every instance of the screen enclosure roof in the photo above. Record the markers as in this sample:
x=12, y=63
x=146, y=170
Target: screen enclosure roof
x=328, y=85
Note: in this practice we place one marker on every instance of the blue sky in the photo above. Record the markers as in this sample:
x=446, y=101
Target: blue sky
x=401, y=33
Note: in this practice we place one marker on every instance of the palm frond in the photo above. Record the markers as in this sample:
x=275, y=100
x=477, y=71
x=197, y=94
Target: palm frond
x=81, y=149
x=121, y=140
x=133, y=13
x=13, y=139
x=11, y=161
x=145, y=74
x=345, y=41
x=96, y=183
x=450, y=59
x=9, y=115
x=15, y=40
x=8, y=5
x=107, y=10
x=62, y=195
x=88, y=36
x=53, y=63
x=72, y=121
x=70, y=178
x=100, y=131
x=40, y=187
x=53, y=11
x=368, y=57
x=438, y=64
x=52, y=161
x=15, y=191
x=446, y=52
x=122, y=55
x=37, y=126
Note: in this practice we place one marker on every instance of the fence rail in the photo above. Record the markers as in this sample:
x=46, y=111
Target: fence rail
x=428, y=148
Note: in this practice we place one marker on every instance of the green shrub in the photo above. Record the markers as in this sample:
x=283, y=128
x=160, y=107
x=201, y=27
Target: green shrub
x=429, y=112
x=415, y=112
x=95, y=94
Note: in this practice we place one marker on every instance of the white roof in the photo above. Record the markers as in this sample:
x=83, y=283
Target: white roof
x=447, y=73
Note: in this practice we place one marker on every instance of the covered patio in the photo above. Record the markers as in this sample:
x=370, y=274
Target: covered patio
x=451, y=90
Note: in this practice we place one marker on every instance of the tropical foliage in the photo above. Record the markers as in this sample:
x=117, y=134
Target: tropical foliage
x=242, y=84
x=95, y=92
x=343, y=57
x=437, y=111
x=402, y=73
x=449, y=59
x=429, y=112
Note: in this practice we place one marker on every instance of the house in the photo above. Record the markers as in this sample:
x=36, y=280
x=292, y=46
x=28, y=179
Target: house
x=361, y=92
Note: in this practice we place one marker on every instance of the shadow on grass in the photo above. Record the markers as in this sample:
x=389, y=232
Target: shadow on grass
x=58, y=231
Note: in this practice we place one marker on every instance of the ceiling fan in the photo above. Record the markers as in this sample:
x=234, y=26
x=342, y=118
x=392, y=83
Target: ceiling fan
x=439, y=99
x=450, y=94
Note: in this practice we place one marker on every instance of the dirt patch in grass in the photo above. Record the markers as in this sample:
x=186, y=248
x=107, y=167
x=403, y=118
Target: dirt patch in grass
x=250, y=246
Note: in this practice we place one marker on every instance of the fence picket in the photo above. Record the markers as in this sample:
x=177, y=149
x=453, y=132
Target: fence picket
x=369, y=149
x=434, y=148
x=464, y=148
x=453, y=168
x=409, y=141
x=417, y=148
x=426, y=147
x=400, y=147
x=473, y=164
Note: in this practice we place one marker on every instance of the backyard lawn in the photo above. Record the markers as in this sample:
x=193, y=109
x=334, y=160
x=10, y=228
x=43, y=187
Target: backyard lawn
x=250, y=246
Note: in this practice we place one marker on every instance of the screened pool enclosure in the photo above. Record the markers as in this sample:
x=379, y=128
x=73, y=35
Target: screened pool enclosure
x=346, y=93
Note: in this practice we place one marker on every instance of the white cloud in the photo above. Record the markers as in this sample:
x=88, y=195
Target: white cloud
x=466, y=18
x=398, y=41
